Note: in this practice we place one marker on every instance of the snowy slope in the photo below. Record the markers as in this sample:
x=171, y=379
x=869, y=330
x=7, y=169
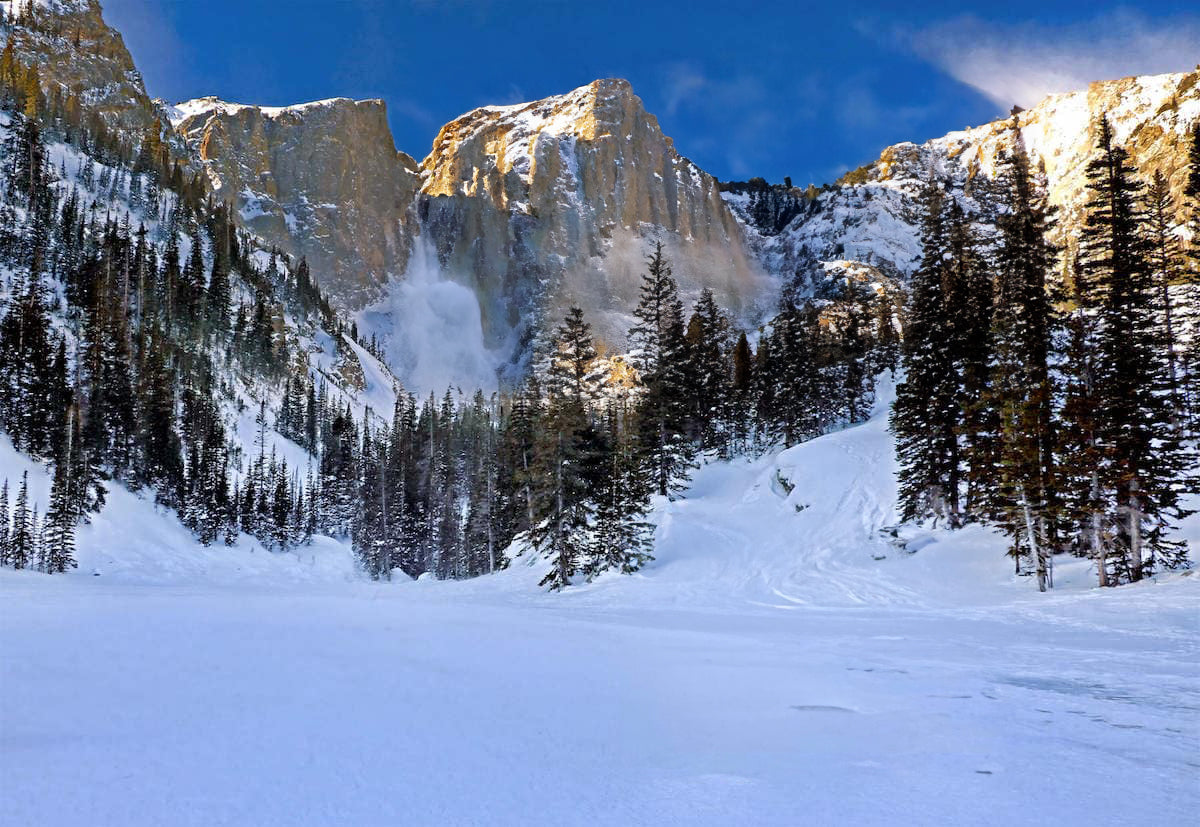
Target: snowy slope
x=871, y=214
x=133, y=541
x=766, y=669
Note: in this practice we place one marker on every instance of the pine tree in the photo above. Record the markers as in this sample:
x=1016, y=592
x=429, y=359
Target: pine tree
x=708, y=347
x=967, y=301
x=925, y=415
x=741, y=393
x=517, y=450
x=1166, y=262
x=789, y=365
x=1143, y=465
x=623, y=536
x=21, y=548
x=1078, y=437
x=281, y=509
x=58, y=543
x=1191, y=204
x=161, y=452
x=217, y=296
x=660, y=346
x=564, y=458
x=1021, y=490
x=4, y=525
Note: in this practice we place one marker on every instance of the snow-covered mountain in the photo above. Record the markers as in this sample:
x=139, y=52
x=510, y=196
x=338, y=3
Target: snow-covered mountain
x=536, y=206
x=321, y=180
x=555, y=202
x=533, y=207
x=871, y=214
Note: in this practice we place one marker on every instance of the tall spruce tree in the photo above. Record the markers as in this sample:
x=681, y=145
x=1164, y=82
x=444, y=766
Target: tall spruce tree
x=925, y=415
x=741, y=408
x=1019, y=394
x=1164, y=256
x=4, y=524
x=1191, y=204
x=708, y=346
x=1143, y=465
x=58, y=543
x=21, y=548
x=660, y=345
x=623, y=536
x=565, y=456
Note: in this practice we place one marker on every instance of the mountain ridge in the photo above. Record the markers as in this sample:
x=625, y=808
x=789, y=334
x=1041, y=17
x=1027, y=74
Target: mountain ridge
x=539, y=205
x=871, y=213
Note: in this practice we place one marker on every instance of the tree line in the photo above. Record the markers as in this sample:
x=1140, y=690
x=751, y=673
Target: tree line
x=119, y=343
x=126, y=346
x=567, y=464
x=1057, y=409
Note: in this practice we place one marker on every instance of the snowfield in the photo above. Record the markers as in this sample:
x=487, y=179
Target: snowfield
x=782, y=662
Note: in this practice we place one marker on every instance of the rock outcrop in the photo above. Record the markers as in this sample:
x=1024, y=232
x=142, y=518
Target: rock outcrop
x=541, y=205
x=75, y=50
x=321, y=180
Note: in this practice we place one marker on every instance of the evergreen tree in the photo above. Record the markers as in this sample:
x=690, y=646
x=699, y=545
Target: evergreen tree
x=708, y=349
x=1143, y=464
x=21, y=548
x=4, y=524
x=58, y=544
x=1166, y=262
x=741, y=393
x=925, y=415
x=161, y=451
x=967, y=301
x=1019, y=393
x=1083, y=497
x=217, y=297
x=623, y=536
x=660, y=346
x=564, y=458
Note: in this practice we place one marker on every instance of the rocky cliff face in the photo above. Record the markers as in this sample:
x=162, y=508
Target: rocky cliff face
x=871, y=214
x=556, y=202
x=533, y=207
x=537, y=206
x=75, y=50
x=321, y=180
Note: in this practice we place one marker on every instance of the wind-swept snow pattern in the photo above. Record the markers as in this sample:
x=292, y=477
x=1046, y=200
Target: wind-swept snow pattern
x=787, y=659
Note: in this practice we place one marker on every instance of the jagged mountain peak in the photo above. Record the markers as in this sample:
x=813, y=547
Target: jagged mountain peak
x=510, y=132
x=556, y=201
x=210, y=105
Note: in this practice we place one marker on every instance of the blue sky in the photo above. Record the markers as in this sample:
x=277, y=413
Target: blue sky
x=800, y=89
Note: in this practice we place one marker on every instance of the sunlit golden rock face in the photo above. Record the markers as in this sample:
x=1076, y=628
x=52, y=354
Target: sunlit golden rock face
x=1150, y=116
x=557, y=202
x=77, y=52
x=535, y=206
x=321, y=180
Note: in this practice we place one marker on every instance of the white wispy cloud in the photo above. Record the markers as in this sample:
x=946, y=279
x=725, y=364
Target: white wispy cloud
x=1022, y=63
x=682, y=82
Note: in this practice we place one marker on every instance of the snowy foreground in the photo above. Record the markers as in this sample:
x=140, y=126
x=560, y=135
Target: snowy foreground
x=769, y=668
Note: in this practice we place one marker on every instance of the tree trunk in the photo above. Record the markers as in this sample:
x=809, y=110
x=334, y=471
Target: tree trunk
x=1098, y=547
